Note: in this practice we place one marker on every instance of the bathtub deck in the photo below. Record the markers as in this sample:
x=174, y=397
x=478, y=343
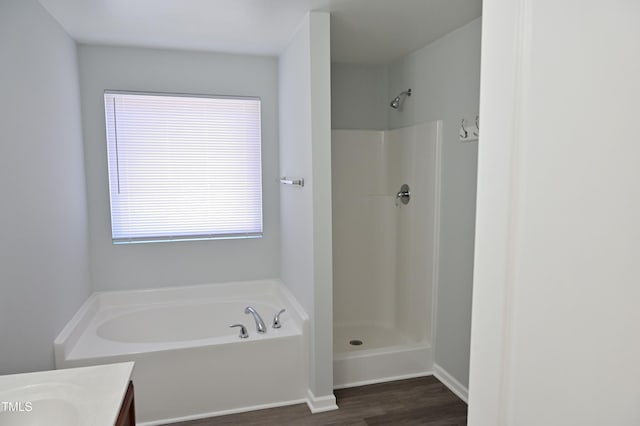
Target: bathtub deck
x=421, y=401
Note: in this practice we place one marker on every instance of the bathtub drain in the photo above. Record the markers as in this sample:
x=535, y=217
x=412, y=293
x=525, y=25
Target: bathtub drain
x=355, y=342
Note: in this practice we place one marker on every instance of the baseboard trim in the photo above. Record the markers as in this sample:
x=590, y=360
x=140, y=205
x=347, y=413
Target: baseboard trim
x=449, y=381
x=221, y=413
x=322, y=403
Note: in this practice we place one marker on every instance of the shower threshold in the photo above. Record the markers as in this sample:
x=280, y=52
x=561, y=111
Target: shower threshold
x=373, y=354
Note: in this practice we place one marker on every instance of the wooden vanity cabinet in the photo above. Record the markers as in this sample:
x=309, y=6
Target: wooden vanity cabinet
x=127, y=415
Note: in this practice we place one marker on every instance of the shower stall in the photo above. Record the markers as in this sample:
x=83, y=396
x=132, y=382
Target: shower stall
x=385, y=187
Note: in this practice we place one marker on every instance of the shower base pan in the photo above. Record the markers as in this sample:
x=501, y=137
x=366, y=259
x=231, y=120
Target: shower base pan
x=373, y=354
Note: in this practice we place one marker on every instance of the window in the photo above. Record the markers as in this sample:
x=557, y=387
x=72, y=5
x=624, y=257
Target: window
x=183, y=167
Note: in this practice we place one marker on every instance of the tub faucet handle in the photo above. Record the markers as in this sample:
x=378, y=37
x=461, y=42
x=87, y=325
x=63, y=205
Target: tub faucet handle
x=243, y=330
x=276, y=319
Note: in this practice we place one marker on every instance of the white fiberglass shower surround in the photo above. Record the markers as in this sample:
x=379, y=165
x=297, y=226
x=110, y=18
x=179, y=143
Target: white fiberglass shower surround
x=384, y=251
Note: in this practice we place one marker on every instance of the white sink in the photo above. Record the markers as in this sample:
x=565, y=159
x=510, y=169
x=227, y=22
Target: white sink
x=75, y=396
x=50, y=404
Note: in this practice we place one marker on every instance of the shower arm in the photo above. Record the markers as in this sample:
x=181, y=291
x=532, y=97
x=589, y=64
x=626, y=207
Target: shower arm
x=395, y=103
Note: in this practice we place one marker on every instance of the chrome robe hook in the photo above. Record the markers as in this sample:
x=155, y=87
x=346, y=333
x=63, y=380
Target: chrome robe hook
x=463, y=132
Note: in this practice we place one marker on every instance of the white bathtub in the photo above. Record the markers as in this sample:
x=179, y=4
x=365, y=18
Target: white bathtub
x=188, y=363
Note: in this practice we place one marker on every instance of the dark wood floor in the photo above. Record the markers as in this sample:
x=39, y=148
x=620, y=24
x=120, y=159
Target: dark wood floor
x=421, y=401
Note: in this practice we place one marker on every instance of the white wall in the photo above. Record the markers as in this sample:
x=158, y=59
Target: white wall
x=305, y=151
x=444, y=77
x=555, y=314
x=44, y=267
x=359, y=97
x=177, y=263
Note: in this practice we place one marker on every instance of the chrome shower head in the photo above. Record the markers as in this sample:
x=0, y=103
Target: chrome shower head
x=395, y=103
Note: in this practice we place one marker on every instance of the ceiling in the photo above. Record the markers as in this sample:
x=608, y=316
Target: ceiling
x=362, y=31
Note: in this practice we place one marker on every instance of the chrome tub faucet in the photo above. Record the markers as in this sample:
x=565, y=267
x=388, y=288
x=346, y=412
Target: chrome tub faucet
x=256, y=316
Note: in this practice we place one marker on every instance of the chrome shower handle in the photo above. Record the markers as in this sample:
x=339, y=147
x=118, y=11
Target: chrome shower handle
x=243, y=330
x=276, y=319
x=404, y=195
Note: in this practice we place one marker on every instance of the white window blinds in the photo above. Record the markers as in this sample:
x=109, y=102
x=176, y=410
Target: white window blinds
x=183, y=167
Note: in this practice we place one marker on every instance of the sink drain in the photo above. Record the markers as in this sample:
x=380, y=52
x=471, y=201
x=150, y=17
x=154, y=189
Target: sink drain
x=355, y=342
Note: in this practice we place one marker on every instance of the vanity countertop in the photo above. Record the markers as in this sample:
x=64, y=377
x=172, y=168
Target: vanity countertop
x=85, y=396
